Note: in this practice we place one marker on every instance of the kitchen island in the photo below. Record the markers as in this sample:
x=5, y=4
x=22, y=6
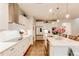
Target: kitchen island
x=60, y=46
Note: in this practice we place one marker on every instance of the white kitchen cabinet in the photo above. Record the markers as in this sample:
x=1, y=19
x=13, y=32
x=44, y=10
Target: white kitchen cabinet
x=7, y=52
x=14, y=50
x=60, y=51
x=18, y=49
x=55, y=50
x=4, y=16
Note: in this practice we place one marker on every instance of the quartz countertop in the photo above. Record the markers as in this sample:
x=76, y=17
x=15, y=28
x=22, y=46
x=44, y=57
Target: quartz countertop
x=61, y=41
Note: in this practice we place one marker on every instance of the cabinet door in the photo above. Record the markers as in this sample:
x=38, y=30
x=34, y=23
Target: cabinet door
x=8, y=52
x=17, y=50
x=23, y=46
x=60, y=50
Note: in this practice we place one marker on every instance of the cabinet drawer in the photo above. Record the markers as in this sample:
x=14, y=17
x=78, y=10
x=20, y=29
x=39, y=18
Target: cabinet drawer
x=12, y=51
x=8, y=52
x=18, y=49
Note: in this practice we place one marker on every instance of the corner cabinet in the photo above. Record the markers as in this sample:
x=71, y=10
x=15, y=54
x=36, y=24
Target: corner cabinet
x=18, y=49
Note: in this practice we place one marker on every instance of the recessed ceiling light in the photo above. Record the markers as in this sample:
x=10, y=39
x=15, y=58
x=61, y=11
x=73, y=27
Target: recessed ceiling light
x=58, y=20
x=50, y=10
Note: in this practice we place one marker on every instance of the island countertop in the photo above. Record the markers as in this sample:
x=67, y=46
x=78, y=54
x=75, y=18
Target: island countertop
x=61, y=41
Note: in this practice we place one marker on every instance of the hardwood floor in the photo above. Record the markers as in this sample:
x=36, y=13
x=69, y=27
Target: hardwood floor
x=37, y=49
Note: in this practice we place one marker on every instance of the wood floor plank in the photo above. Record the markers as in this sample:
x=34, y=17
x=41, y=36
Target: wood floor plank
x=37, y=49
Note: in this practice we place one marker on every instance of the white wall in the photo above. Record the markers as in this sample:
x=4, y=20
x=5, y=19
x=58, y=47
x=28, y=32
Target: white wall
x=67, y=23
x=67, y=27
x=4, y=16
x=75, y=27
x=64, y=21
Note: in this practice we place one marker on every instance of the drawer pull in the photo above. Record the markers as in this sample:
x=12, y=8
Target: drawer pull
x=11, y=49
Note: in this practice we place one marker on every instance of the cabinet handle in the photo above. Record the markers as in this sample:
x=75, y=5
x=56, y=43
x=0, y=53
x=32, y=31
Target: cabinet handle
x=11, y=49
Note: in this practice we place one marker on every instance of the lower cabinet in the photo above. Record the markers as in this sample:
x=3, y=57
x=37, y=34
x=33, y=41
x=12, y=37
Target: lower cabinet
x=18, y=49
x=58, y=51
x=55, y=50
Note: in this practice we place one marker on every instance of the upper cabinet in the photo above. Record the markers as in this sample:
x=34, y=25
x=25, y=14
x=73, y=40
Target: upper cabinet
x=13, y=12
x=4, y=16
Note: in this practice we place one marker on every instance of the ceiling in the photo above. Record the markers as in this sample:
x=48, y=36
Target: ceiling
x=41, y=10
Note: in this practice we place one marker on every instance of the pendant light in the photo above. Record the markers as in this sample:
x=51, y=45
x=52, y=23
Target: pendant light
x=50, y=10
x=67, y=11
